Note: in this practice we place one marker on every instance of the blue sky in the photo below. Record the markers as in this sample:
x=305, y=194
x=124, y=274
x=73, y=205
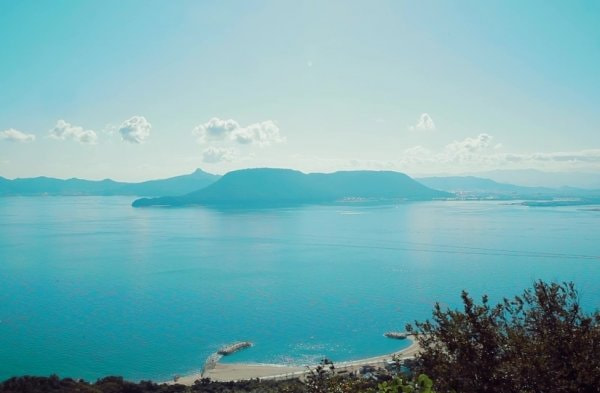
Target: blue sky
x=135, y=90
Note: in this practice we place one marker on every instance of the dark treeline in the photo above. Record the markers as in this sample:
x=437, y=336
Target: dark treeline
x=118, y=385
x=323, y=379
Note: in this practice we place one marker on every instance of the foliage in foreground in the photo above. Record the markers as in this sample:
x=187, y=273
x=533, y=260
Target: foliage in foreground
x=398, y=385
x=54, y=384
x=538, y=342
x=324, y=379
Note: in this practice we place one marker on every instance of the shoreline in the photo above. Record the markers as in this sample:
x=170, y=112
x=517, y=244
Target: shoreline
x=225, y=372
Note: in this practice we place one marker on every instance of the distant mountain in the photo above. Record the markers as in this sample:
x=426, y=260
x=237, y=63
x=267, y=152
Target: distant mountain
x=178, y=184
x=537, y=178
x=272, y=187
x=478, y=187
x=51, y=186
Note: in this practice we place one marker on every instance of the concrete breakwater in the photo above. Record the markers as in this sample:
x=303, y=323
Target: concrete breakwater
x=212, y=361
x=396, y=335
x=231, y=348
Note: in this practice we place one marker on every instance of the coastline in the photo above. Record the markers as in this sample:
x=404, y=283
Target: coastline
x=244, y=371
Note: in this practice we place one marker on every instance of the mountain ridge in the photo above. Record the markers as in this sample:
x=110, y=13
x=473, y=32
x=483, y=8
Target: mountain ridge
x=539, y=178
x=480, y=187
x=275, y=186
x=43, y=185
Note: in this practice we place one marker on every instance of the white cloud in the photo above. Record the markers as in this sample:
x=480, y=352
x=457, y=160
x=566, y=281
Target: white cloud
x=425, y=123
x=215, y=129
x=468, y=149
x=135, y=129
x=416, y=155
x=110, y=129
x=13, y=135
x=481, y=153
x=216, y=154
x=63, y=131
x=573, y=157
x=263, y=133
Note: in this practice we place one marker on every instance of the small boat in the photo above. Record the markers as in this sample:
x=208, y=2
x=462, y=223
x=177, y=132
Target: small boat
x=231, y=348
x=396, y=335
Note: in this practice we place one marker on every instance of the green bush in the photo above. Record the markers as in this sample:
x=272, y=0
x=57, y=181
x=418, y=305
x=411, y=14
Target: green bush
x=538, y=342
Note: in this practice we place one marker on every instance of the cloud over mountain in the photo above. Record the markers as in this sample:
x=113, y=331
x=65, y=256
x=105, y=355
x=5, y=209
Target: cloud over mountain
x=425, y=123
x=213, y=154
x=13, y=135
x=468, y=148
x=573, y=157
x=64, y=131
x=262, y=133
x=215, y=129
x=135, y=130
x=480, y=152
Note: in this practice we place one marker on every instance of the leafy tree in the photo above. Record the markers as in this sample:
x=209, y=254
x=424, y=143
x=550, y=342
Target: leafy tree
x=538, y=342
x=319, y=379
x=324, y=379
x=397, y=385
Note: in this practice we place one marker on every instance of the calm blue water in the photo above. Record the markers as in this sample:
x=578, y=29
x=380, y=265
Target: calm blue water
x=90, y=286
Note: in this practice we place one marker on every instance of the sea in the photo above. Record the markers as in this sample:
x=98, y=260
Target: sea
x=90, y=286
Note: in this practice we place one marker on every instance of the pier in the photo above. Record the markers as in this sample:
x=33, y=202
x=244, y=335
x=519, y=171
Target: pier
x=396, y=335
x=231, y=348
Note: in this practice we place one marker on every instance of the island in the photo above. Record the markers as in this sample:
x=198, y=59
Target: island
x=281, y=187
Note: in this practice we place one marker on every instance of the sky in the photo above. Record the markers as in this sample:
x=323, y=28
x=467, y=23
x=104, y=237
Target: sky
x=135, y=90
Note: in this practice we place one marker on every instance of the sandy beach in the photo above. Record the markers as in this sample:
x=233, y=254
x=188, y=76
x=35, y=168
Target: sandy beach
x=242, y=371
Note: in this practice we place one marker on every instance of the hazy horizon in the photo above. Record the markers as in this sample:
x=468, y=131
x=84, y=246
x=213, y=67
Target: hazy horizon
x=523, y=177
